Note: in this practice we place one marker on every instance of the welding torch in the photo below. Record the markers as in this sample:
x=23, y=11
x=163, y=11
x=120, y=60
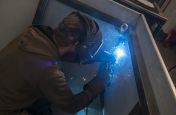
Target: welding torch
x=107, y=60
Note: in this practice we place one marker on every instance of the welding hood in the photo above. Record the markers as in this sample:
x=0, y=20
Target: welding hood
x=92, y=40
x=90, y=47
x=83, y=28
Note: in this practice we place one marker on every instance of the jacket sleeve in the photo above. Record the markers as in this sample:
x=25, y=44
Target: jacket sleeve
x=56, y=90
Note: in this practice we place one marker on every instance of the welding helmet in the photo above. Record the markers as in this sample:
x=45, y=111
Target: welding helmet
x=92, y=41
x=85, y=30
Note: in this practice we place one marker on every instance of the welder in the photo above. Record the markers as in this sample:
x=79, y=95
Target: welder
x=30, y=68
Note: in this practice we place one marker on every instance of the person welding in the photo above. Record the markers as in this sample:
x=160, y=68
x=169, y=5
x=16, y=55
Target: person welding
x=30, y=69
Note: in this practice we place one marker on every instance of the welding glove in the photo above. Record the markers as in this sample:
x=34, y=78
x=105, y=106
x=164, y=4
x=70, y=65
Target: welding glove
x=98, y=84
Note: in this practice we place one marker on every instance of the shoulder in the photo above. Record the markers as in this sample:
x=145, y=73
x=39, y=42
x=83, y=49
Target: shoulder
x=41, y=68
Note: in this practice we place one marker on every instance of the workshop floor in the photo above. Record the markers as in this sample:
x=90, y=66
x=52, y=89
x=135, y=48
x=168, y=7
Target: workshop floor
x=169, y=57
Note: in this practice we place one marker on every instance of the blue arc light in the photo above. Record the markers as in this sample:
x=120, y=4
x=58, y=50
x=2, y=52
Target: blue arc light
x=119, y=53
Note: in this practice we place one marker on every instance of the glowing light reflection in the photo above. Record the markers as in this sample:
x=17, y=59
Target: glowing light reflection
x=119, y=52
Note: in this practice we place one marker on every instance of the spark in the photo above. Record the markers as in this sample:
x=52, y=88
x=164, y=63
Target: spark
x=119, y=53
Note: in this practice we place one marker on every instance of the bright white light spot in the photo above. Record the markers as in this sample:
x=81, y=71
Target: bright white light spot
x=119, y=53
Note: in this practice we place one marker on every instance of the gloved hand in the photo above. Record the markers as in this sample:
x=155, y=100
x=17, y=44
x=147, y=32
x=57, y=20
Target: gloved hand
x=98, y=84
x=104, y=56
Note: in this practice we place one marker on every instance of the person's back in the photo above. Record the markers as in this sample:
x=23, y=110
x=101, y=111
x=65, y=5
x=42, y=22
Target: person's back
x=21, y=66
x=29, y=68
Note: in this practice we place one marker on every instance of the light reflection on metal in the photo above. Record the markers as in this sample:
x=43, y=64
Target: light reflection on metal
x=119, y=52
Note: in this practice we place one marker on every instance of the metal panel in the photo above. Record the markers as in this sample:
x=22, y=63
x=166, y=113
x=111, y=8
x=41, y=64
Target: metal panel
x=123, y=87
x=113, y=9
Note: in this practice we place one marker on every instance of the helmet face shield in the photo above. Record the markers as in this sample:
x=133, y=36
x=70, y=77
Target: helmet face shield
x=90, y=48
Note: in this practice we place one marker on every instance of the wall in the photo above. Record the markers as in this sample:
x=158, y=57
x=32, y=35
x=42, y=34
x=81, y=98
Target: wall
x=170, y=13
x=15, y=16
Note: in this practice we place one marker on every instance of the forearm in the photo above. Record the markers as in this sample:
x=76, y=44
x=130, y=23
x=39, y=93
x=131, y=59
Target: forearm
x=78, y=102
x=83, y=99
x=56, y=90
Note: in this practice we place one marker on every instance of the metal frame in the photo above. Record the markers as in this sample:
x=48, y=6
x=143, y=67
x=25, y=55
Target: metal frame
x=146, y=88
x=153, y=18
x=100, y=15
x=141, y=75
